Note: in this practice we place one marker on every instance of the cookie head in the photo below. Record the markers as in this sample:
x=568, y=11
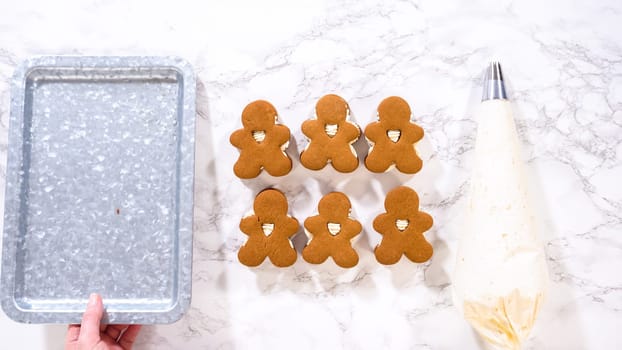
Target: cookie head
x=394, y=112
x=272, y=205
x=334, y=206
x=331, y=109
x=401, y=201
x=259, y=115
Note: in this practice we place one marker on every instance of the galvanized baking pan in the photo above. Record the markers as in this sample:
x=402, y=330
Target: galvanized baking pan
x=99, y=189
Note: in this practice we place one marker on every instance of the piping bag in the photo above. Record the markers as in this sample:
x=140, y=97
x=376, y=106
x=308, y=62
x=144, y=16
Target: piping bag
x=500, y=276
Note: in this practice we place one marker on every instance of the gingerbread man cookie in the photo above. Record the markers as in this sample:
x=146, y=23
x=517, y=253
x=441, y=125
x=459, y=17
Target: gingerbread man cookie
x=392, y=138
x=402, y=228
x=331, y=232
x=331, y=136
x=269, y=230
x=261, y=141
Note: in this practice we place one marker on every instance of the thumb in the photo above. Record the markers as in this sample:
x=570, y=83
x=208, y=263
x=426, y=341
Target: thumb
x=89, y=330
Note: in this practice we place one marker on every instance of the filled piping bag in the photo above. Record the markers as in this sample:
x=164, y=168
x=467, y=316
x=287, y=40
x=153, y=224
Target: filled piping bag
x=500, y=276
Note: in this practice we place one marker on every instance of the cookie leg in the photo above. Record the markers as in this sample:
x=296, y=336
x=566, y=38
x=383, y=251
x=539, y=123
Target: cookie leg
x=387, y=254
x=313, y=254
x=419, y=251
x=250, y=256
x=283, y=256
x=410, y=164
x=345, y=161
x=346, y=257
x=277, y=164
x=246, y=167
x=312, y=158
x=377, y=162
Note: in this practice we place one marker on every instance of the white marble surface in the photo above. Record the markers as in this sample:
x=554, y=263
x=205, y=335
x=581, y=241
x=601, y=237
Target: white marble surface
x=563, y=60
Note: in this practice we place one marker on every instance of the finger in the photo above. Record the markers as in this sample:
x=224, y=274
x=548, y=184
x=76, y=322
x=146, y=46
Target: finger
x=129, y=337
x=106, y=339
x=115, y=330
x=73, y=331
x=89, y=332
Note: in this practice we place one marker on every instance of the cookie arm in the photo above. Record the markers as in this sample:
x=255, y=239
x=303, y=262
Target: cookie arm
x=352, y=229
x=239, y=138
x=310, y=128
x=312, y=222
x=281, y=134
x=412, y=133
x=381, y=222
x=249, y=225
x=290, y=226
x=349, y=132
x=424, y=222
x=374, y=132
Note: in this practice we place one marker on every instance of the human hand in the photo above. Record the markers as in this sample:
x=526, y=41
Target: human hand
x=91, y=335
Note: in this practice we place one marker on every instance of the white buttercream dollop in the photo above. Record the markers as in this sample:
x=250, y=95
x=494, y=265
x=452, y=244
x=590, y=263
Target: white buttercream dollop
x=394, y=135
x=267, y=228
x=259, y=135
x=331, y=129
x=401, y=224
x=333, y=228
x=500, y=276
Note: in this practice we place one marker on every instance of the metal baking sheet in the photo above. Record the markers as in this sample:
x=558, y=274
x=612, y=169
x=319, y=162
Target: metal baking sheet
x=99, y=189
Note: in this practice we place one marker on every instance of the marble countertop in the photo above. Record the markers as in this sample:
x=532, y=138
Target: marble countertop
x=563, y=62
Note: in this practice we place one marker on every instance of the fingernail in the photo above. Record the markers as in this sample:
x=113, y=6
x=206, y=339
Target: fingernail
x=92, y=299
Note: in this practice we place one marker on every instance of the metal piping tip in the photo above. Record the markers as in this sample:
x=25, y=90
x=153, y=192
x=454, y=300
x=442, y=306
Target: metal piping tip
x=494, y=87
